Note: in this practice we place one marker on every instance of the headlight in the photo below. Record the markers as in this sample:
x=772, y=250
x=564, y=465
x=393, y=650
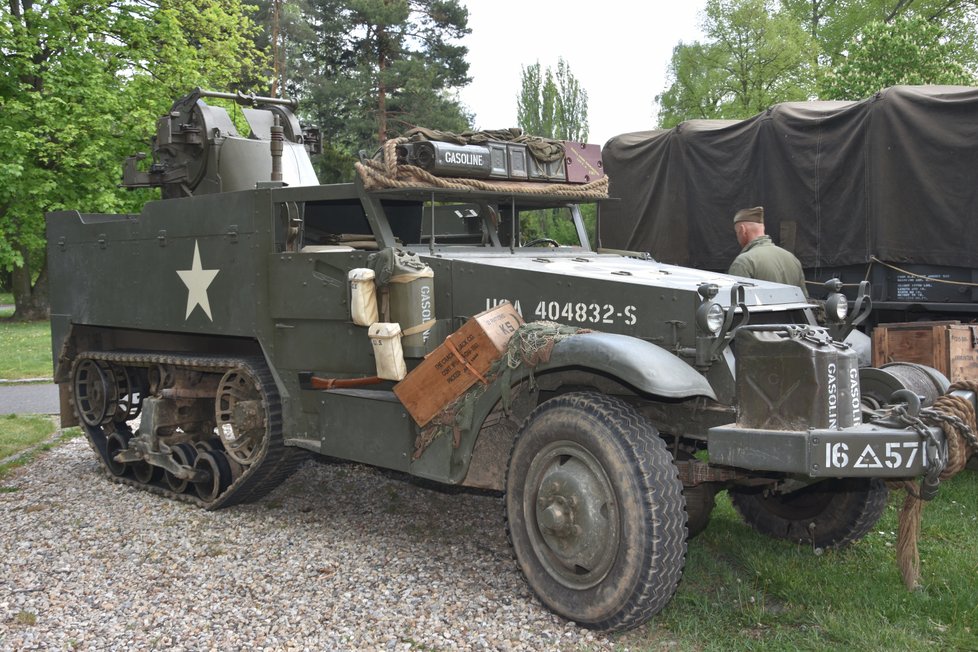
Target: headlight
x=836, y=307
x=709, y=317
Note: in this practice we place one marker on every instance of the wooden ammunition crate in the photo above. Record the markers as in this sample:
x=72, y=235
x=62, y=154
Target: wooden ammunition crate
x=949, y=346
x=443, y=376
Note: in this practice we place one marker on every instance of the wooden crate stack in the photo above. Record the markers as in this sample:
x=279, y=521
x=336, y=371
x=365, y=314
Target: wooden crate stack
x=949, y=346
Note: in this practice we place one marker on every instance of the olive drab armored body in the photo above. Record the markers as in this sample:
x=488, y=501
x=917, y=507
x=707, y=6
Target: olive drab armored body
x=253, y=317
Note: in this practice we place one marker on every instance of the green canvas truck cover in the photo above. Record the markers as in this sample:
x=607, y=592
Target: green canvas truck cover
x=894, y=176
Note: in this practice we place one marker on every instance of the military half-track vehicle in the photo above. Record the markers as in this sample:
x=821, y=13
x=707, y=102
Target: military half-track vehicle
x=207, y=346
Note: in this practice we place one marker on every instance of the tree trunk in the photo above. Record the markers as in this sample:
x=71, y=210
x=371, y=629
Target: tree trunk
x=381, y=110
x=30, y=300
x=381, y=85
x=278, y=51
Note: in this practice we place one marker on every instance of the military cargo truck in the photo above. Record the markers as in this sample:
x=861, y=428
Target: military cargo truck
x=211, y=342
x=881, y=190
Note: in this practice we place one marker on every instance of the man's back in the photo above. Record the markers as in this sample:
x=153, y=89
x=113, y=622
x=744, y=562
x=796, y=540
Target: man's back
x=762, y=259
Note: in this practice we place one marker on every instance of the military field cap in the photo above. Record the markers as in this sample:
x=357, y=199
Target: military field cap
x=755, y=214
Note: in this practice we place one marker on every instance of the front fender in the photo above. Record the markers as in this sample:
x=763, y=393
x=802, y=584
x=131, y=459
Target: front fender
x=643, y=365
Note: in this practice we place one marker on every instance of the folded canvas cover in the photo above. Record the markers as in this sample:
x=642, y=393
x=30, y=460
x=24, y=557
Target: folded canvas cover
x=894, y=176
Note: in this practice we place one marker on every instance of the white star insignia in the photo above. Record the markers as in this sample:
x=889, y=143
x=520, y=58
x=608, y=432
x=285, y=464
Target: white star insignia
x=197, y=281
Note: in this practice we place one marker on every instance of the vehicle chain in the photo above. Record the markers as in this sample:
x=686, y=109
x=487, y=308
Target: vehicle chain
x=275, y=463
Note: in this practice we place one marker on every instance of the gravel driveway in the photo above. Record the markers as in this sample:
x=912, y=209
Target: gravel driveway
x=341, y=557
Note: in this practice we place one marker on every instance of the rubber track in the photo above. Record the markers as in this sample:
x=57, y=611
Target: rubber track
x=276, y=461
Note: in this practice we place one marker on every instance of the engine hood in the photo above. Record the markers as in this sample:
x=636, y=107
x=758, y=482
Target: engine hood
x=624, y=272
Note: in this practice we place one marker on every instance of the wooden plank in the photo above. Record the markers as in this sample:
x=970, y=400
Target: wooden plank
x=923, y=343
x=962, y=345
x=948, y=346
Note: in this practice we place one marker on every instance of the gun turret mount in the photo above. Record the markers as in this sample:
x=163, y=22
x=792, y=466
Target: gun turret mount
x=197, y=149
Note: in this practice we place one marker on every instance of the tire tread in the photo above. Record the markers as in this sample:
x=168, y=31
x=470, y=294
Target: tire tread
x=649, y=459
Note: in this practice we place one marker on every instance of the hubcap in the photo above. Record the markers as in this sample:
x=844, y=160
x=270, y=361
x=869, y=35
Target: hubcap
x=574, y=520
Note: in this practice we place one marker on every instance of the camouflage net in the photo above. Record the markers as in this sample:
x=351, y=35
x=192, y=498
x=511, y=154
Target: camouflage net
x=530, y=345
x=386, y=173
x=956, y=417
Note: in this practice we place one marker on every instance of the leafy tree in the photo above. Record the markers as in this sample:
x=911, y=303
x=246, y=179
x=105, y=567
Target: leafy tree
x=286, y=29
x=833, y=24
x=374, y=68
x=760, y=52
x=908, y=50
x=754, y=57
x=698, y=85
x=81, y=85
x=552, y=104
x=536, y=105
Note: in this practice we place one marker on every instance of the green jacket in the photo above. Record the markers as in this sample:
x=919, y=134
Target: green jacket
x=764, y=260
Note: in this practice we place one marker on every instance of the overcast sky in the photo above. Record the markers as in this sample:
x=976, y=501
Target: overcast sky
x=617, y=49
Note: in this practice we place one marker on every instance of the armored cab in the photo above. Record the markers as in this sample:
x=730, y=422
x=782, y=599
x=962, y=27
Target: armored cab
x=253, y=317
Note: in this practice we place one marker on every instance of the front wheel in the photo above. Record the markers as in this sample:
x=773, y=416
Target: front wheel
x=595, y=511
x=827, y=514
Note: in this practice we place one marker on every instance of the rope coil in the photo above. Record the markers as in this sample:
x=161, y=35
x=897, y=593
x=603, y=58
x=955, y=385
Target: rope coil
x=956, y=417
x=385, y=174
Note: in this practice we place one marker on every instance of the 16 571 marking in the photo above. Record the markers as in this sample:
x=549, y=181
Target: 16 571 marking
x=891, y=455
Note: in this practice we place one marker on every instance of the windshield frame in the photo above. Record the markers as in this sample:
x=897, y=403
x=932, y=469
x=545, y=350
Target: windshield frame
x=492, y=205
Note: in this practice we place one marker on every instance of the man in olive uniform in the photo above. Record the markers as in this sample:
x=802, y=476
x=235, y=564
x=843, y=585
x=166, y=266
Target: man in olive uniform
x=760, y=258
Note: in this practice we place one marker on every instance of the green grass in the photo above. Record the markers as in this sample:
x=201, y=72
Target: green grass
x=28, y=435
x=743, y=591
x=6, y=299
x=18, y=433
x=25, y=350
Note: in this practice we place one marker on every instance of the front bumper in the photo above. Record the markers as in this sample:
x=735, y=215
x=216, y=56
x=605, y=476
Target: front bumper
x=870, y=450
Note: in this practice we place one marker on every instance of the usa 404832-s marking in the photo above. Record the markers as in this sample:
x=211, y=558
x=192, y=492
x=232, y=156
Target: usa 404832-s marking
x=586, y=313
x=576, y=312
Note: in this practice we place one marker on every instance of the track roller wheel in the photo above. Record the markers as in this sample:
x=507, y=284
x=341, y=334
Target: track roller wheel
x=208, y=445
x=145, y=472
x=219, y=475
x=115, y=443
x=185, y=455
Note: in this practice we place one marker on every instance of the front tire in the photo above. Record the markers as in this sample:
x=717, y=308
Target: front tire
x=826, y=514
x=595, y=511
